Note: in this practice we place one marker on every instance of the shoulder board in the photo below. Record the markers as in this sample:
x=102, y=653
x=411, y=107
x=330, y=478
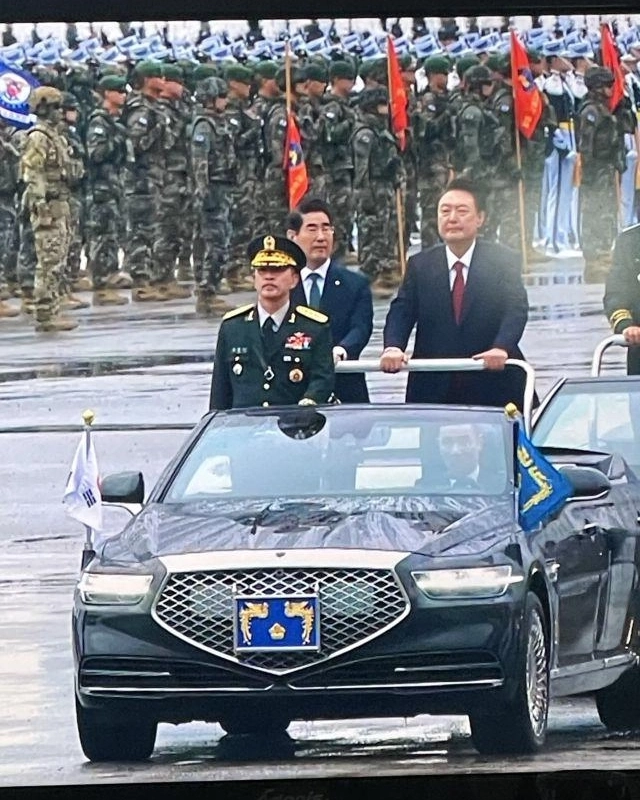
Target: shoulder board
x=237, y=311
x=311, y=313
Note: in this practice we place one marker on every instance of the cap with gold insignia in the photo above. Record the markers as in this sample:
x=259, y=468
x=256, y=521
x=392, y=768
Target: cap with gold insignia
x=275, y=252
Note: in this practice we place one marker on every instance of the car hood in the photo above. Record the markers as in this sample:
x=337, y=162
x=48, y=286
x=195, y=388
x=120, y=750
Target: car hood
x=446, y=526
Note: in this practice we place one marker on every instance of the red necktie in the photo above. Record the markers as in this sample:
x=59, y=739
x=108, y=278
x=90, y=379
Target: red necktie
x=457, y=292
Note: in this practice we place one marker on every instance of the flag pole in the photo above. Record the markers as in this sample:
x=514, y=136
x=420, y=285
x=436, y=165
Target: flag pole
x=523, y=233
x=287, y=73
x=88, y=418
x=399, y=211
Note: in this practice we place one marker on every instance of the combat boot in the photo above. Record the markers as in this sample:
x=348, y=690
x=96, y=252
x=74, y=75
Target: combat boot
x=120, y=280
x=534, y=257
x=171, y=290
x=108, y=297
x=185, y=271
x=595, y=271
x=223, y=287
x=27, y=304
x=218, y=304
x=8, y=311
x=203, y=305
x=82, y=284
x=15, y=290
x=55, y=325
x=72, y=303
x=5, y=292
x=145, y=293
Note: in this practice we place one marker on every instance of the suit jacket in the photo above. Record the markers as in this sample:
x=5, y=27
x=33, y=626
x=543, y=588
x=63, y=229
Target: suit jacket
x=297, y=365
x=346, y=299
x=494, y=313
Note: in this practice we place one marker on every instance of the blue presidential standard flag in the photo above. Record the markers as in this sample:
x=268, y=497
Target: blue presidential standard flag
x=542, y=488
x=15, y=88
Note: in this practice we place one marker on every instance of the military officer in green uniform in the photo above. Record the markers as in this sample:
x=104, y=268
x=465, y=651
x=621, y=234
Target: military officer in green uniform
x=271, y=353
x=622, y=294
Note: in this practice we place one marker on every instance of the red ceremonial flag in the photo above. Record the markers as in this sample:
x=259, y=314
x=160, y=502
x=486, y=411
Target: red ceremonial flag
x=527, y=100
x=397, y=96
x=293, y=165
x=611, y=59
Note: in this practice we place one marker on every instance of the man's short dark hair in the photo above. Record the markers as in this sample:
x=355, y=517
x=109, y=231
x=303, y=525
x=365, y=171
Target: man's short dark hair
x=310, y=205
x=466, y=185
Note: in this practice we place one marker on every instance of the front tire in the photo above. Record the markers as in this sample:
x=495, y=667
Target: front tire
x=105, y=737
x=619, y=704
x=521, y=726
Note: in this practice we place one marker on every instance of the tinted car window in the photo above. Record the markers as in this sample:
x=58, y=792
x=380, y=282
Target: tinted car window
x=335, y=452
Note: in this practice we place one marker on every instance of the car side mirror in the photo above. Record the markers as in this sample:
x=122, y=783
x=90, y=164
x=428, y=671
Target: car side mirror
x=123, y=487
x=586, y=481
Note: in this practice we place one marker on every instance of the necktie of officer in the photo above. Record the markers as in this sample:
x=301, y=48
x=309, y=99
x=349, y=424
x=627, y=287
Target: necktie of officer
x=268, y=334
x=314, y=293
x=457, y=291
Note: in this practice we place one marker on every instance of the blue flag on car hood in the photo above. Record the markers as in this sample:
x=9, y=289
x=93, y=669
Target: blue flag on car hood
x=543, y=489
x=15, y=88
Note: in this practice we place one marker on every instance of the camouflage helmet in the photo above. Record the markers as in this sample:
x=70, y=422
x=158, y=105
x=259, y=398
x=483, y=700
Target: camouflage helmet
x=598, y=78
x=44, y=95
x=478, y=76
x=211, y=89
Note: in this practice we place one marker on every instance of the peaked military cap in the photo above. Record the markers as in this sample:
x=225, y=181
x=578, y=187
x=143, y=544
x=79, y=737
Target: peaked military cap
x=436, y=65
x=275, y=252
x=148, y=69
x=342, y=69
x=112, y=83
x=172, y=72
x=237, y=72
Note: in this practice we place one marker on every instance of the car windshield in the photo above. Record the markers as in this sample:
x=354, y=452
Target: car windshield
x=601, y=416
x=343, y=451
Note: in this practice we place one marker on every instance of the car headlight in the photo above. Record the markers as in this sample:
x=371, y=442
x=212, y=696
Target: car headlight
x=464, y=583
x=111, y=589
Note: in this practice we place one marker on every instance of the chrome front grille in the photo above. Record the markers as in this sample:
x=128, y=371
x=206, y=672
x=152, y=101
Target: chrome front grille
x=356, y=605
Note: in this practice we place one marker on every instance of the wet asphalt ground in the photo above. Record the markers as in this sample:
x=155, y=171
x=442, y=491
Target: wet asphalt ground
x=151, y=365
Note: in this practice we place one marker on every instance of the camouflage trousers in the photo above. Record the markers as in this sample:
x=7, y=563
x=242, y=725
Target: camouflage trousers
x=274, y=199
x=410, y=200
x=103, y=239
x=76, y=241
x=7, y=233
x=243, y=223
x=317, y=185
x=599, y=214
x=377, y=231
x=341, y=202
x=26, y=252
x=431, y=187
x=142, y=232
x=170, y=225
x=506, y=215
x=187, y=222
x=215, y=230
x=50, y=226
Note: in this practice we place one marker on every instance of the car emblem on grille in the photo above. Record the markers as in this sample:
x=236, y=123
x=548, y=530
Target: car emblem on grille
x=273, y=624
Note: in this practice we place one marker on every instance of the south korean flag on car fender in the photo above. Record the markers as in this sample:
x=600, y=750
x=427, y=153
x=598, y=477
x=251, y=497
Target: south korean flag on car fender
x=82, y=497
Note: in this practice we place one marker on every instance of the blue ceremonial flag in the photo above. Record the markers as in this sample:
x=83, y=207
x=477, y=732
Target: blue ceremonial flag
x=15, y=88
x=543, y=489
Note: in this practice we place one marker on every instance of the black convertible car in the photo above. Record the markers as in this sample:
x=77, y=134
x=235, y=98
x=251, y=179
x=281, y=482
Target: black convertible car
x=340, y=562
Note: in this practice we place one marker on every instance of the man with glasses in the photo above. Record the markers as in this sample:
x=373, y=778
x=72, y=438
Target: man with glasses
x=273, y=352
x=344, y=296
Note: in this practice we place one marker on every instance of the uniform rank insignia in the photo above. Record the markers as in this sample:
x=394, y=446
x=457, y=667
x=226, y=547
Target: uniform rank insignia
x=237, y=311
x=298, y=341
x=311, y=313
x=296, y=375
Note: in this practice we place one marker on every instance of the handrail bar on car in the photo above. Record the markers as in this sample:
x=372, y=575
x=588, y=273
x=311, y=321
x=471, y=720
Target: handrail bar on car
x=596, y=361
x=451, y=365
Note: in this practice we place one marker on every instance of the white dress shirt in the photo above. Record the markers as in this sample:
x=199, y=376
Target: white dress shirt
x=277, y=316
x=452, y=259
x=307, y=283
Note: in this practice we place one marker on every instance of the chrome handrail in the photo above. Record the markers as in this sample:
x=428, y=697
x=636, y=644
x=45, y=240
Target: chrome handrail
x=450, y=365
x=596, y=361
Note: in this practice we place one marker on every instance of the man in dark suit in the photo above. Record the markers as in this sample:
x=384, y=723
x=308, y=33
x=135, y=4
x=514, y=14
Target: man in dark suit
x=622, y=294
x=273, y=353
x=466, y=299
x=343, y=295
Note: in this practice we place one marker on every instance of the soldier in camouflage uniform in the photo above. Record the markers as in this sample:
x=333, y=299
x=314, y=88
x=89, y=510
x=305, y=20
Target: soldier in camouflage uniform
x=337, y=120
x=106, y=145
x=44, y=166
x=377, y=174
x=247, y=140
x=602, y=154
x=265, y=72
x=409, y=155
x=9, y=166
x=75, y=181
x=214, y=171
x=274, y=197
x=433, y=134
x=176, y=190
x=24, y=244
x=146, y=122
x=309, y=115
